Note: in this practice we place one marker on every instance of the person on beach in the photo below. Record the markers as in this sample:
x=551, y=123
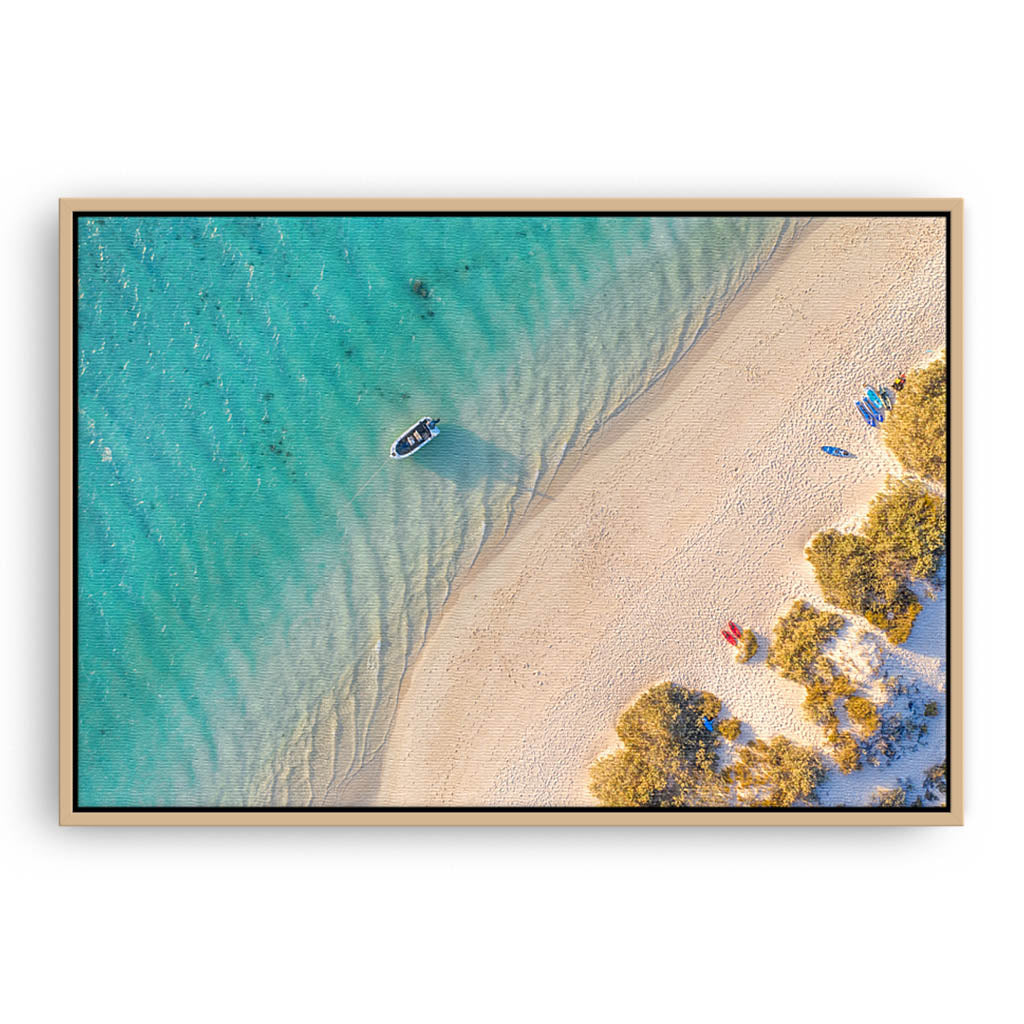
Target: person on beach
x=897, y=384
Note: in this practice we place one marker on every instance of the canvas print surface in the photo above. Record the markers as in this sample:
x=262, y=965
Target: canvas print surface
x=511, y=511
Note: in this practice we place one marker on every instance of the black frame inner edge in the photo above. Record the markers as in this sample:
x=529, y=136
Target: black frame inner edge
x=76, y=807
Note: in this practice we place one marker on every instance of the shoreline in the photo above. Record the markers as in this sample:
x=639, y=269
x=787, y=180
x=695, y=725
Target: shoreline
x=617, y=581
x=359, y=788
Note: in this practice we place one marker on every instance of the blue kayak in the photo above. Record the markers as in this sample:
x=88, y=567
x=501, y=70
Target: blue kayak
x=841, y=453
x=875, y=400
x=868, y=416
x=876, y=410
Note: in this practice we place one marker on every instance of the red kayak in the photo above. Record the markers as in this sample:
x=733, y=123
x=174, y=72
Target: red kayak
x=736, y=631
x=729, y=637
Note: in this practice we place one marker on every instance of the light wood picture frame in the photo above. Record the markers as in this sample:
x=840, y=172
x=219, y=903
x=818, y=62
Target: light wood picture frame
x=773, y=329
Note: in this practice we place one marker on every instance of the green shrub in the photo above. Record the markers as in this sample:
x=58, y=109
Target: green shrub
x=746, y=646
x=869, y=573
x=776, y=774
x=842, y=687
x=665, y=722
x=935, y=781
x=931, y=709
x=708, y=705
x=864, y=714
x=730, y=728
x=851, y=576
x=846, y=751
x=668, y=758
x=818, y=705
x=797, y=639
x=896, y=620
x=624, y=778
x=896, y=797
x=915, y=431
x=846, y=569
x=906, y=529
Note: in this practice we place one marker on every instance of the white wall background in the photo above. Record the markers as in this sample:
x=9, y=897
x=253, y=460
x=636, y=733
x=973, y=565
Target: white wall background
x=636, y=98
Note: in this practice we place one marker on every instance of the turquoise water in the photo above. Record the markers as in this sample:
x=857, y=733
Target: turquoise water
x=255, y=574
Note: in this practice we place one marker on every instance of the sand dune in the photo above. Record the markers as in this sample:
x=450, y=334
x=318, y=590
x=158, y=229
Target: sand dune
x=692, y=508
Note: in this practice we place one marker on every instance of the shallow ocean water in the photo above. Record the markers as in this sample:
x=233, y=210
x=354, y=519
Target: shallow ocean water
x=255, y=574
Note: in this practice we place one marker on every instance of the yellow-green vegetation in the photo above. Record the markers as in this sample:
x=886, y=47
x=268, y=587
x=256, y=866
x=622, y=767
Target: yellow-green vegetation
x=896, y=620
x=668, y=758
x=845, y=749
x=819, y=704
x=842, y=687
x=730, y=728
x=796, y=654
x=935, y=781
x=864, y=714
x=896, y=797
x=797, y=640
x=906, y=529
x=776, y=774
x=869, y=573
x=746, y=646
x=931, y=709
x=915, y=430
x=851, y=576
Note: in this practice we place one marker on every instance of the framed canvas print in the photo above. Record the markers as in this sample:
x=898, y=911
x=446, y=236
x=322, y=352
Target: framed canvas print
x=511, y=511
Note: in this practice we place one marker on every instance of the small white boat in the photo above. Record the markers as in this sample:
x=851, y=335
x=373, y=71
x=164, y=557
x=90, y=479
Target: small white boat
x=415, y=438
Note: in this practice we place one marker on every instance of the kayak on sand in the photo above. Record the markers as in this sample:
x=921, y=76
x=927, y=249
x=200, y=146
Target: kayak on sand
x=869, y=417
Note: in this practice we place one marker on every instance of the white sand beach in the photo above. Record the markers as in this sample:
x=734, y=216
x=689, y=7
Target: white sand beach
x=692, y=508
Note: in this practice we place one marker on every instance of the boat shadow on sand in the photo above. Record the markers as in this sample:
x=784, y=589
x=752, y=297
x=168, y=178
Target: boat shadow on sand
x=468, y=460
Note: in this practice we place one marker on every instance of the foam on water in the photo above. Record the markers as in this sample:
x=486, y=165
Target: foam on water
x=255, y=574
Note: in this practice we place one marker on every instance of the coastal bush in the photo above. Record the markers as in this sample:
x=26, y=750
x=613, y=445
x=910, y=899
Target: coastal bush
x=931, y=709
x=820, y=697
x=842, y=687
x=818, y=706
x=708, y=705
x=895, y=797
x=935, y=784
x=624, y=778
x=845, y=750
x=730, y=728
x=906, y=529
x=797, y=639
x=852, y=577
x=915, y=431
x=897, y=619
x=668, y=758
x=746, y=646
x=864, y=714
x=776, y=774
x=846, y=569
